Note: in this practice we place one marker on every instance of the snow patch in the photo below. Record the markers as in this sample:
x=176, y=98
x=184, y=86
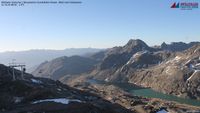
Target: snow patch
x=18, y=99
x=36, y=81
x=168, y=62
x=187, y=62
x=107, y=79
x=177, y=58
x=139, y=53
x=122, y=68
x=117, y=71
x=195, y=71
x=59, y=89
x=198, y=64
x=59, y=100
x=131, y=60
x=196, y=50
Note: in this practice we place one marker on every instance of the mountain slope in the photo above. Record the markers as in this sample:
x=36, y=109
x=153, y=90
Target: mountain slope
x=118, y=56
x=179, y=75
x=62, y=66
x=39, y=95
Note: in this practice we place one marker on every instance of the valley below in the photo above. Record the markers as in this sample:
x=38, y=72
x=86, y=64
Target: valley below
x=149, y=93
x=136, y=98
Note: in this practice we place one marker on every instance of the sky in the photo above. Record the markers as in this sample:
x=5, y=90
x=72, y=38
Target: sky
x=96, y=24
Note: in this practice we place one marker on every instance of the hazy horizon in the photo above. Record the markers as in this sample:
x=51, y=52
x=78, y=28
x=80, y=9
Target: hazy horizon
x=51, y=49
x=38, y=49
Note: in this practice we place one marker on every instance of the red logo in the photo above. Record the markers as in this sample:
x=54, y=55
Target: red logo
x=175, y=5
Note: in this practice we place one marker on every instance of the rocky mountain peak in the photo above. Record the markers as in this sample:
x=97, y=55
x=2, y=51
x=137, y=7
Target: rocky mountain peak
x=163, y=44
x=136, y=42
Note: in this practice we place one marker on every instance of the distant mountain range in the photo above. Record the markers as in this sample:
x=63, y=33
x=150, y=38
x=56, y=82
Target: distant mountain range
x=177, y=46
x=169, y=68
x=32, y=58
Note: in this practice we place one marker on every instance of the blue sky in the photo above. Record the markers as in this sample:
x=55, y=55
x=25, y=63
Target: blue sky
x=97, y=24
